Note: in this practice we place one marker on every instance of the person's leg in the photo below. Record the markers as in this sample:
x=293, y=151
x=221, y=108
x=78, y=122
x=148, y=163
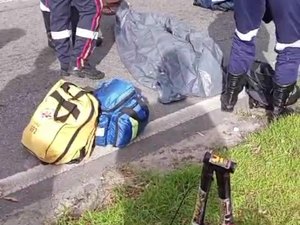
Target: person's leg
x=86, y=36
x=74, y=22
x=44, y=7
x=248, y=16
x=286, y=16
x=60, y=31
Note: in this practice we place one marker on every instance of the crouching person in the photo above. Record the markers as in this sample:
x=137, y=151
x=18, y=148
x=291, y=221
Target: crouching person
x=248, y=16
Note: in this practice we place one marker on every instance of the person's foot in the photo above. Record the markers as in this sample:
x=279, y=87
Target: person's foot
x=89, y=72
x=64, y=69
x=64, y=73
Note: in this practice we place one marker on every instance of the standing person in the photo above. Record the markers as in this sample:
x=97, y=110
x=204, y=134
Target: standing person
x=248, y=15
x=44, y=7
x=76, y=62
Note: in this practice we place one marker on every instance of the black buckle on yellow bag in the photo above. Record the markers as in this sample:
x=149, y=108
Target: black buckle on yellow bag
x=69, y=106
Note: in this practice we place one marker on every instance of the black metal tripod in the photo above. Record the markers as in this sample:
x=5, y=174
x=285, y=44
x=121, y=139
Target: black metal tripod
x=222, y=167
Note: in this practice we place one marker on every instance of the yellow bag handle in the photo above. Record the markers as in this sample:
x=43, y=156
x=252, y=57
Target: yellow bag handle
x=69, y=106
x=66, y=87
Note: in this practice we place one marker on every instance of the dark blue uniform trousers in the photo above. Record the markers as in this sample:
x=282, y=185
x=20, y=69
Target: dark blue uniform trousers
x=44, y=7
x=86, y=31
x=248, y=15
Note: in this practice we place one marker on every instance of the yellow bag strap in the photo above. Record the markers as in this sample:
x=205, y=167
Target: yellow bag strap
x=69, y=106
x=92, y=112
x=66, y=87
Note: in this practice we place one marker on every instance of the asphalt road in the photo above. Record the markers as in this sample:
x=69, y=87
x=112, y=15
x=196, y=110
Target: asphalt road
x=28, y=67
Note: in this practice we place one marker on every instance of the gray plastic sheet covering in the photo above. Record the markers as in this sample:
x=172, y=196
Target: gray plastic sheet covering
x=167, y=55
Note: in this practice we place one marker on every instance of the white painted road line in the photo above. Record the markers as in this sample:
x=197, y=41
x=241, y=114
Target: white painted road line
x=39, y=173
x=11, y=1
x=5, y=1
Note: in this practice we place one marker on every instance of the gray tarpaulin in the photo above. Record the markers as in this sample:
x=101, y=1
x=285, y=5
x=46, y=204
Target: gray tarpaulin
x=167, y=55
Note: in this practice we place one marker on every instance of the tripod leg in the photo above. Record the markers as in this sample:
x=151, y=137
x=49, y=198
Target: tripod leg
x=224, y=192
x=204, y=187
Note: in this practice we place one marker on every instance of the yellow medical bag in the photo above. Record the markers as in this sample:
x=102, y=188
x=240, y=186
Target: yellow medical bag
x=62, y=129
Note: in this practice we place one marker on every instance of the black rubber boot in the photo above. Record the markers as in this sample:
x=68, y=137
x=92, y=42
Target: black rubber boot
x=283, y=96
x=233, y=86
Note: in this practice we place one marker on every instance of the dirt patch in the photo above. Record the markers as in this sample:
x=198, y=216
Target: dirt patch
x=232, y=131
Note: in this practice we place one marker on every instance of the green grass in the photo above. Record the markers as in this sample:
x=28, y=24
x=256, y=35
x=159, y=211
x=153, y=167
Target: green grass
x=265, y=187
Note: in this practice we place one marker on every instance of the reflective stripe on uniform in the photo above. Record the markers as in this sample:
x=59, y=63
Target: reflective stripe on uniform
x=248, y=36
x=281, y=46
x=80, y=32
x=44, y=8
x=57, y=35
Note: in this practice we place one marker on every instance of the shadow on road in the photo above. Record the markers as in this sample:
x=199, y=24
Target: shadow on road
x=9, y=35
x=18, y=101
